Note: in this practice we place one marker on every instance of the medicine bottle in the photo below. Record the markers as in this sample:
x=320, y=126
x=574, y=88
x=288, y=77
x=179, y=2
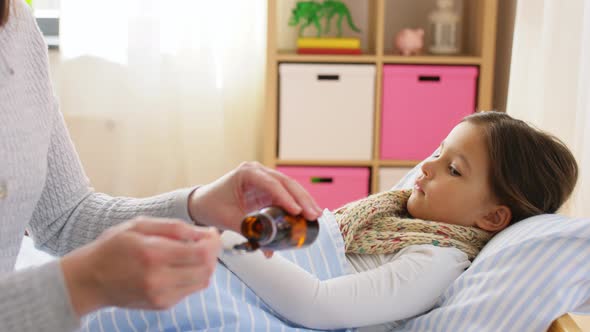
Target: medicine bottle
x=274, y=229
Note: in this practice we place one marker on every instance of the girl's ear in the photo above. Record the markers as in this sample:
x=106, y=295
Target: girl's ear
x=496, y=220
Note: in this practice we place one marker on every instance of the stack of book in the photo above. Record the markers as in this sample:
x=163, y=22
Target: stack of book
x=328, y=46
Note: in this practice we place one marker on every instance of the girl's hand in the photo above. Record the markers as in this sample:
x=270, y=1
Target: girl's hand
x=146, y=263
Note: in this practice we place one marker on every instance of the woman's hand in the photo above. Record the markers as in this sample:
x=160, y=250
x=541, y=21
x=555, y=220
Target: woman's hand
x=146, y=263
x=224, y=202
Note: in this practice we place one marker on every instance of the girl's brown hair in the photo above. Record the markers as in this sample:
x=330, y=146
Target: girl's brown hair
x=532, y=172
x=4, y=10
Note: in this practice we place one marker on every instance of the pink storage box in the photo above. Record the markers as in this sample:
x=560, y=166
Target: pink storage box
x=331, y=187
x=421, y=104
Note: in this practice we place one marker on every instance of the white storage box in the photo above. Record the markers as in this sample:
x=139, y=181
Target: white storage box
x=390, y=176
x=326, y=111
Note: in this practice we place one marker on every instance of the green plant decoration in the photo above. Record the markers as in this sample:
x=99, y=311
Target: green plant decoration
x=311, y=12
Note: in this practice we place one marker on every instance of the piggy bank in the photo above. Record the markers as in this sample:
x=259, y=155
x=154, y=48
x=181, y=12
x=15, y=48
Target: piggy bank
x=409, y=41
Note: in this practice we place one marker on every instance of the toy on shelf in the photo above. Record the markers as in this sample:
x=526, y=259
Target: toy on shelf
x=312, y=12
x=336, y=7
x=410, y=41
x=444, y=26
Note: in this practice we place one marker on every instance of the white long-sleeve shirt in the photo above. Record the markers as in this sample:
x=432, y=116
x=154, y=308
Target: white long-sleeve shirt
x=384, y=288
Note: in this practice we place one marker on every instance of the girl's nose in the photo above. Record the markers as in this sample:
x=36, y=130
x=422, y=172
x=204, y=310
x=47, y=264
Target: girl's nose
x=428, y=169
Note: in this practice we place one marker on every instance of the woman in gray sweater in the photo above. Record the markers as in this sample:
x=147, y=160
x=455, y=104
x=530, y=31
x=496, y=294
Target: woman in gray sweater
x=111, y=256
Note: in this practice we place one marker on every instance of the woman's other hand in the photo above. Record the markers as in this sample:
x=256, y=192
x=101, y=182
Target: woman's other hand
x=251, y=186
x=146, y=263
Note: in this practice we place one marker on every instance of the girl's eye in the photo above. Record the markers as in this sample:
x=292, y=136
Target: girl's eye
x=453, y=171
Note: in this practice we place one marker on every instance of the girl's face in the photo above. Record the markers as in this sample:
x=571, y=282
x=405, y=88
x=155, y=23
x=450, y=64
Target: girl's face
x=454, y=186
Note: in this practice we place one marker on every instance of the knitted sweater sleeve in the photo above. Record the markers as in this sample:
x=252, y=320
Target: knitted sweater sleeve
x=36, y=299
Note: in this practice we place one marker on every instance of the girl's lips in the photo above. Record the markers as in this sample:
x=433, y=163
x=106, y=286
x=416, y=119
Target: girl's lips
x=418, y=188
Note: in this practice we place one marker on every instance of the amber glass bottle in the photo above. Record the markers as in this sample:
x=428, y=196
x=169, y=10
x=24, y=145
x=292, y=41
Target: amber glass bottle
x=272, y=228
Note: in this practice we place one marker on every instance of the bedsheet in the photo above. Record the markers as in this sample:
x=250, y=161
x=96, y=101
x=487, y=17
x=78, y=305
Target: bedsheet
x=228, y=304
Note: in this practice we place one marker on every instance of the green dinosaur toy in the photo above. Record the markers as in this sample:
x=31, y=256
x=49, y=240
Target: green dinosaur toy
x=308, y=11
x=336, y=7
x=311, y=12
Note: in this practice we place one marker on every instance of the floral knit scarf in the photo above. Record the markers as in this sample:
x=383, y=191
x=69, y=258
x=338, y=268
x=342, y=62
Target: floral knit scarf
x=381, y=224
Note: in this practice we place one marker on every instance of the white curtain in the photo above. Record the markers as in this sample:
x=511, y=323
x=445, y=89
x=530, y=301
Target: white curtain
x=550, y=79
x=161, y=94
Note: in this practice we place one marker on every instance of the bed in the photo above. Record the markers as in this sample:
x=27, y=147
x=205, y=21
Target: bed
x=29, y=256
x=527, y=278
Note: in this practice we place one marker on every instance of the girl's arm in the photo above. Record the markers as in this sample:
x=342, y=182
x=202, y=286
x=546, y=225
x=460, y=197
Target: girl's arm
x=402, y=288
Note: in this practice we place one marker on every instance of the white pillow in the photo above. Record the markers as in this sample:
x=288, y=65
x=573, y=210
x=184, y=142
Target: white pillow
x=525, y=277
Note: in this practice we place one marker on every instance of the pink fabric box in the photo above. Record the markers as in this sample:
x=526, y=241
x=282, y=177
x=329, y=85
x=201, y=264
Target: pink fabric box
x=331, y=187
x=421, y=104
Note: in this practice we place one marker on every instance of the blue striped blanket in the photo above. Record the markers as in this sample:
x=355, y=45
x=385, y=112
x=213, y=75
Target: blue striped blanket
x=228, y=304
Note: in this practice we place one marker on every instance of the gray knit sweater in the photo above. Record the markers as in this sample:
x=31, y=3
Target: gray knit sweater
x=43, y=188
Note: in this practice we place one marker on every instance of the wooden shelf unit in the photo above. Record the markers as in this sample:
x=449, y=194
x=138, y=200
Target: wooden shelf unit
x=479, y=34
